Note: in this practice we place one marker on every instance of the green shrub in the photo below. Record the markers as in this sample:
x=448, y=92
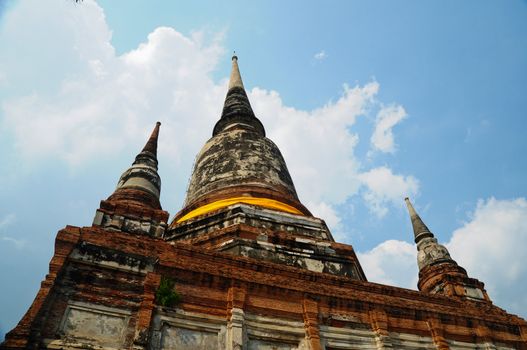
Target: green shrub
x=166, y=294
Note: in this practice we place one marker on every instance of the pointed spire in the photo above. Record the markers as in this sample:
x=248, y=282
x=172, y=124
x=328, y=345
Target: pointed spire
x=151, y=144
x=429, y=251
x=236, y=78
x=420, y=229
x=438, y=272
x=149, y=153
x=141, y=183
x=237, y=109
x=134, y=206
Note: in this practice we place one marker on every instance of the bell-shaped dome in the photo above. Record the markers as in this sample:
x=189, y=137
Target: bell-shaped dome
x=240, y=164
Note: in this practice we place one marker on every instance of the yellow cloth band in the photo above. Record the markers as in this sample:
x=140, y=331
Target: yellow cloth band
x=262, y=202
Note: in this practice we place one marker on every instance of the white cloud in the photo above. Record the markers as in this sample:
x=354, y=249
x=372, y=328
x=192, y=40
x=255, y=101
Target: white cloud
x=324, y=154
x=325, y=146
x=391, y=262
x=18, y=243
x=7, y=220
x=321, y=55
x=491, y=247
x=328, y=213
x=118, y=99
x=383, y=187
x=387, y=118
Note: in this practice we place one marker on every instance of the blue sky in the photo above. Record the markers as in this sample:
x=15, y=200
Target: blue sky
x=369, y=101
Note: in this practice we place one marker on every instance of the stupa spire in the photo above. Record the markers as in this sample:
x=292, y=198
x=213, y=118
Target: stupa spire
x=239, y=164
x=420, y=229
x=134, y=206
x=438, y=272
x=235, y=79
x=149, y=153
x=429, y=251
x=141, y=183
x=151, y=144
x=237, y=110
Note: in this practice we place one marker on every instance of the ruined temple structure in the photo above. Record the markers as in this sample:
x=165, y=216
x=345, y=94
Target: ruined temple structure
x=243, y=265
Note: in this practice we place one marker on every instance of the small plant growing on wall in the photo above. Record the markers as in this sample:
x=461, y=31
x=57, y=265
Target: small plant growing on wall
x=166, y=295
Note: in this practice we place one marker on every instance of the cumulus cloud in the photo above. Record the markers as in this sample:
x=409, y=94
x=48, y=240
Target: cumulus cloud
x=325, y=144
x=382, y=137
x=384, y=187
x=392, y=262
x=324, y=154
x=321, y=55
x=491, y=247
x=110, y=100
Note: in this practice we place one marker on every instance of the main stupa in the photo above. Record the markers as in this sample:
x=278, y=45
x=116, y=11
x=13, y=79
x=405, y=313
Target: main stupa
x=243, y=265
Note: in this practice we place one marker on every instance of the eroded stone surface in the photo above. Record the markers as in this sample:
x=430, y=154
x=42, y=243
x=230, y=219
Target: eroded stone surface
x=174, y=338
x=264, y=234
x=94, y=325
x=239, y=157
